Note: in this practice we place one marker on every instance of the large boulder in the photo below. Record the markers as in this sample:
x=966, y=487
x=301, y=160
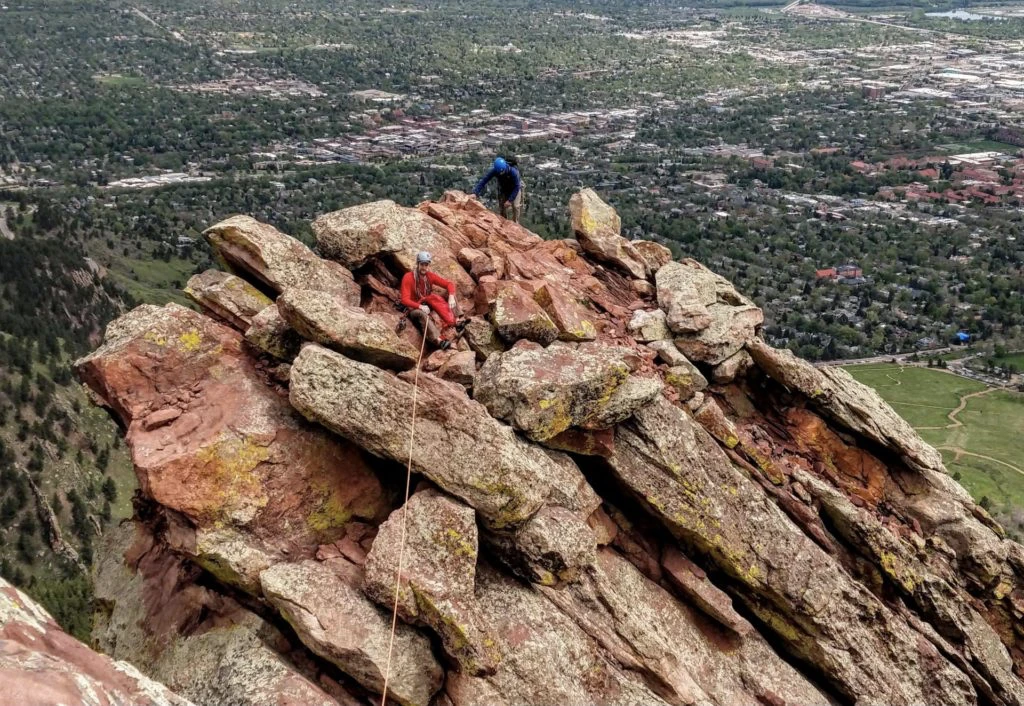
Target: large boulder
x=353, y=236
x=544, y=391
x=574, y=321
x=346, y=329
x=227, y=297
x=711, y=319
x=597, y=228
x=459, y=446
x=649, y=326
x=789, y=583
x=276, y=260
x=438, y=575
x=516, y=315
x=482, y=338
x=271, y=334
x=323, y=602
x=41, y=664
x=212, y=442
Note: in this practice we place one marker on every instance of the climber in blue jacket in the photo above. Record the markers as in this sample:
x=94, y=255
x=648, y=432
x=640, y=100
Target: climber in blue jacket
x=510, y=189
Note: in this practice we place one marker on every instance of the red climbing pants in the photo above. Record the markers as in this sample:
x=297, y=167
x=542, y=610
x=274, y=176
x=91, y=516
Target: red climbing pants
x=440, y=305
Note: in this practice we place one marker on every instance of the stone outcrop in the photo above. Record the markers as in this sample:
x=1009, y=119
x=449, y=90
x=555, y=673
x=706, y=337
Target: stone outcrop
x=438, y=576
x=622, y=495
x=597, y=228
x=41, y=664
x=277, y=261
x=227, y=297
x=346, y=329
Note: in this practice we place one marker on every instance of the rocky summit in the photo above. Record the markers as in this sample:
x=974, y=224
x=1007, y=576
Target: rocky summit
x=621, y=494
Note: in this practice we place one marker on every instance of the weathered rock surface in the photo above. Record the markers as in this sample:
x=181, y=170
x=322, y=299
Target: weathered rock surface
x=276, y=260
x=41, y=664
x=779, y=536
x=648, y=326
x=835, y=393
x=270, y=333
x=544, y=391
x=516, y=315
x=597, y=227
x=438, y=576
x=463, y=449
x=228, y=297
x=811, y=604
x=346, y=329
x=323, y=602
x=250, y=476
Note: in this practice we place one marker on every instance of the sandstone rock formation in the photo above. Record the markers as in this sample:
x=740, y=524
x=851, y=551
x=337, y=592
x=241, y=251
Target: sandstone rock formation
x=622, y=494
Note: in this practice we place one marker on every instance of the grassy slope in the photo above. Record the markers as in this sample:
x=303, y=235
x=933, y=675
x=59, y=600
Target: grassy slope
x=993, y=425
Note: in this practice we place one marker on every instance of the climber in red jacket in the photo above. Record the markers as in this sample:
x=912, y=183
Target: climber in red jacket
x=418, y=296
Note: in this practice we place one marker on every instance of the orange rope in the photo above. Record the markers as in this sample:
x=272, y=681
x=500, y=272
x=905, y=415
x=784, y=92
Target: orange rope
x=401, y=546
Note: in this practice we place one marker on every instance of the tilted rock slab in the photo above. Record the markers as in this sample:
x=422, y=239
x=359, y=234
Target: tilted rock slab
x=647, y=631
x=547, y=658
x=516, y=315
x=835, y=393
x=277, y=260
x=200, y=643
x=41, y=664
x=332, y=616
x=817, y=610
x=229, y=297
x=459, y=446
x=597, y=228
x=973, y=645
x=347, y=329
x=544, y=391
x=438, y=576
x=229, y=454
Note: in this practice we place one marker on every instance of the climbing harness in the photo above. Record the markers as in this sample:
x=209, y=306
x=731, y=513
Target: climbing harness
x=405, y=505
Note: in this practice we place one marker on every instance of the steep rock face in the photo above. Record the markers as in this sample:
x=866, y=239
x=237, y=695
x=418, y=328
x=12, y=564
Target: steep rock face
x=41, y=664
x=597, y=227
x=777, y=535
x=213, y=442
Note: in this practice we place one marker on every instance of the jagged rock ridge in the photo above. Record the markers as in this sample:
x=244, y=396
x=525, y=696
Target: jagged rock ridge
x=622, y=494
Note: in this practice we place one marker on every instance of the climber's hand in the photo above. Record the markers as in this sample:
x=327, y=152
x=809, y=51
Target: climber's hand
x=451, y=301
x=425, y=309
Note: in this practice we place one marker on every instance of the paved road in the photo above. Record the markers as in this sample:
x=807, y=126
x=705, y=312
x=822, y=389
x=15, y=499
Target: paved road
x=888, y=358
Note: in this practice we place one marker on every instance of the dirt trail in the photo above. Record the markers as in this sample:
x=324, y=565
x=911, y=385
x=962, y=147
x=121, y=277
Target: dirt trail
x=956, y=423
x=963, y=452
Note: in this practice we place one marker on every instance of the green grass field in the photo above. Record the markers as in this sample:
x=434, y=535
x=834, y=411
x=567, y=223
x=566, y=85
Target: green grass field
x=984, y=449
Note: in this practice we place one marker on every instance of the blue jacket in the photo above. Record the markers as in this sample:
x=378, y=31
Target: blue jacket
x=508, y=183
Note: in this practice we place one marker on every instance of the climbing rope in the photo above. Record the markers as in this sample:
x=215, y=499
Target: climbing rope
x=405, y=505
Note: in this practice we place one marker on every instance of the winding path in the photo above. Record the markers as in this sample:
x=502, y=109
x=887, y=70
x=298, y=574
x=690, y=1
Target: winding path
x=956, y=423
x=963, y=452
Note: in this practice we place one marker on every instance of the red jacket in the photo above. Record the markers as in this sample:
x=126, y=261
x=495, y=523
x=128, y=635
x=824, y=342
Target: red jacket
x=412, y=298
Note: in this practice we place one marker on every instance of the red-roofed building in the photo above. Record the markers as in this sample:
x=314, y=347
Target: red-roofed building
x=827, y=273
x=929, y=173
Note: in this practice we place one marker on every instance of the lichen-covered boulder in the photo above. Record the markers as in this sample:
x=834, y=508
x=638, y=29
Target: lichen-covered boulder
x=346, y=329
x=544, y=391
x=597, y=228
x=516, y=315
x=228, y=297
x=323, y=602
x=438, y=577
x=574, y=321
x=271, y=334
x=276, y=260
x=462, y=449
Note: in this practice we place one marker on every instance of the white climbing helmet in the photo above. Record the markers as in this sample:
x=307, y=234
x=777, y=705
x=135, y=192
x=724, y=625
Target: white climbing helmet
x=423, y=256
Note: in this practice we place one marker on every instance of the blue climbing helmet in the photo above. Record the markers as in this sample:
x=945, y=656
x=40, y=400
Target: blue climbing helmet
x=500, y=165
